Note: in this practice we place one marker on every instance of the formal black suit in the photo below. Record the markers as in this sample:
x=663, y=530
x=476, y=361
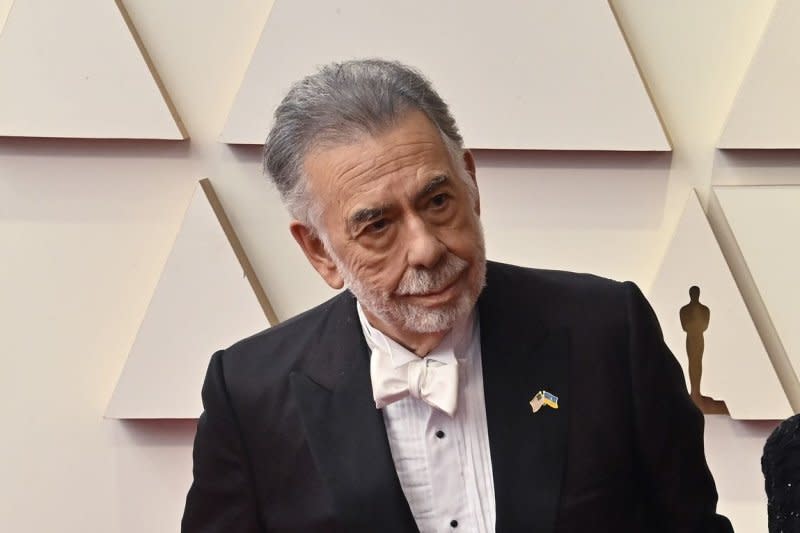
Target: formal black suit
x=290, y=439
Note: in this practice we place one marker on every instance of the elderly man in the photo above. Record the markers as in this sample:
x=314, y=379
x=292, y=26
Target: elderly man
x=439, y=392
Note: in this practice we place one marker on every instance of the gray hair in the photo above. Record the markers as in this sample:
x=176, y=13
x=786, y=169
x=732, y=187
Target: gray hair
x=335, y=105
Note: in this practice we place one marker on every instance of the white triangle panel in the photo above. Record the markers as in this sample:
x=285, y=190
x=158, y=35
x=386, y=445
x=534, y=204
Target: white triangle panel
x=5, y=7
x=202, y=303
x=517, y=75
x=736, y=367
x=766, y=110
x=766, y=224
x=75, y=69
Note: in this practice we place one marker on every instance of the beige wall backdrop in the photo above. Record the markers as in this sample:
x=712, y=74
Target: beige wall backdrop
x=85, y=228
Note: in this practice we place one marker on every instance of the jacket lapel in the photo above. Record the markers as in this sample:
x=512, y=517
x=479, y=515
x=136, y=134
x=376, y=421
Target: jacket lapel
x=346, y=433
x=521, y=357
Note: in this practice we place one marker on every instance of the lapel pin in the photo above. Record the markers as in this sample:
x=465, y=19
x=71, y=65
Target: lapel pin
x=544, y=398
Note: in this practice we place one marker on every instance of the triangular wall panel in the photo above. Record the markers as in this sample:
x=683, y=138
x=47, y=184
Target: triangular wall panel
x=76, y=69
x=766, y=224
x=521, y=75
x=736, y=367
x=766, y=110
x=5, y=7
x=202, y=302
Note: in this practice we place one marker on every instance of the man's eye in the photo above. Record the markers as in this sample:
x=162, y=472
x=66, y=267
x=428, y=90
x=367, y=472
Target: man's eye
x=439, y=200
x=377, y=226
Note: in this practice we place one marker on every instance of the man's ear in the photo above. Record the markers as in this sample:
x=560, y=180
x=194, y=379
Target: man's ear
x=316, y=253
x=469, y=165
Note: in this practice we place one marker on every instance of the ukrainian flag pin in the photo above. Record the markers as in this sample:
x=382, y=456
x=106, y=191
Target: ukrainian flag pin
x=544, y=398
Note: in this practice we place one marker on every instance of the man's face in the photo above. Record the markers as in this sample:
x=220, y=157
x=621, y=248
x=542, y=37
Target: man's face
x=401, y=227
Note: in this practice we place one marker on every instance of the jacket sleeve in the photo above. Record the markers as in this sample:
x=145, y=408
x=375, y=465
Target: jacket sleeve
x=221, y=498
x=669, y=431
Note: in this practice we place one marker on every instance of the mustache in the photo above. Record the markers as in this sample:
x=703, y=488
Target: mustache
x=416, y=281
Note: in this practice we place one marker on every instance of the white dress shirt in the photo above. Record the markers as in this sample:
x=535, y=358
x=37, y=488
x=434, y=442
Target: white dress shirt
x=443, y=462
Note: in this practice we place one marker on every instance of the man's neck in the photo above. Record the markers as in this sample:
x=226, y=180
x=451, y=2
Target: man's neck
x=420, y=344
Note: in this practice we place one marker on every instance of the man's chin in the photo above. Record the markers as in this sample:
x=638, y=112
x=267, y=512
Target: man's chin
x=435, y=319
x=444, y=316
x=431, y=323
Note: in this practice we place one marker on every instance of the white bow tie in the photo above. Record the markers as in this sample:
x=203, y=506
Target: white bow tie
x=432, y=381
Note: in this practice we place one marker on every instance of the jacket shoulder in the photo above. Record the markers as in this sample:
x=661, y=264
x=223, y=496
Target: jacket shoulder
x=558, y=296
x=270, y=355
x=551, y=283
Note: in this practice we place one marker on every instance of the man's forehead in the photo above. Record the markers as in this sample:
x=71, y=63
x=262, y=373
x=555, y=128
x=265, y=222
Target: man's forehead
x=388, y=194
x=357, y=168
x=369, y=207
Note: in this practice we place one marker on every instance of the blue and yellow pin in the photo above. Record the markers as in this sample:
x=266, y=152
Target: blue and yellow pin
x=544, y=398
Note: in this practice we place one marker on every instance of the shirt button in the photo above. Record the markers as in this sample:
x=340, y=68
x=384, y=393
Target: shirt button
x=453, y=523
x=440, y=435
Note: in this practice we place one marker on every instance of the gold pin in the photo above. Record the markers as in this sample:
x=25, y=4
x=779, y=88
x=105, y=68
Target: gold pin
x=544, y=398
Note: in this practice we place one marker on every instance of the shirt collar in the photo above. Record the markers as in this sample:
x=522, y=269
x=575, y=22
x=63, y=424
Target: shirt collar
x=452, y=347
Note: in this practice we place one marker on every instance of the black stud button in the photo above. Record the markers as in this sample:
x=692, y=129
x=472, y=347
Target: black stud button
x=453, y=523
x=440, y=435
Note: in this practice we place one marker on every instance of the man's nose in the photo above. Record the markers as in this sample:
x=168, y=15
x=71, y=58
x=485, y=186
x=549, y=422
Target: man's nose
x=425, y=250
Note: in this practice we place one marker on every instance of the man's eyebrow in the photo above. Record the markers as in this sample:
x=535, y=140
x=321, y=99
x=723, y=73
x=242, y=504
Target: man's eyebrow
x=432, y=185
x=365, y=215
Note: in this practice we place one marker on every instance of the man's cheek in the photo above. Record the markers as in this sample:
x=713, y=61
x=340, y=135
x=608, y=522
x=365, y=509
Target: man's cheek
x=373, y=273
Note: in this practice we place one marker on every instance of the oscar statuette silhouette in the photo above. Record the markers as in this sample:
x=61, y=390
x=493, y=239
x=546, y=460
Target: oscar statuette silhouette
x=695, y=318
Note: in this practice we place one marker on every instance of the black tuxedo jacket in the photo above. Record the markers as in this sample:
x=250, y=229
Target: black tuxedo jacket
x=291, y=441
